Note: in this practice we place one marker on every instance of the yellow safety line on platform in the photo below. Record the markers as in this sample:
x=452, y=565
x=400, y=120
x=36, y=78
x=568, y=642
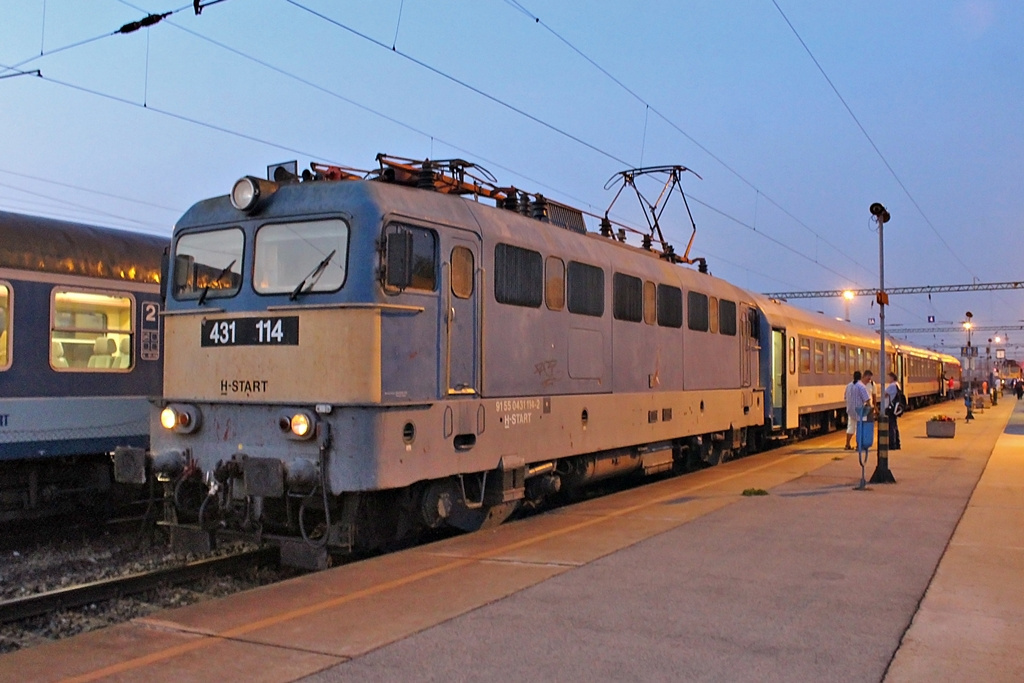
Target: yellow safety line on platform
x=397, y=583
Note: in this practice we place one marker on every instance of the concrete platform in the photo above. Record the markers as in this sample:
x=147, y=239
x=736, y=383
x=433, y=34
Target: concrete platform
x=683, y=579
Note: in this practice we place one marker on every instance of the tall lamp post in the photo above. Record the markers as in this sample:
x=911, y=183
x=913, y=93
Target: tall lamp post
x=882, y=475
x=968, y=359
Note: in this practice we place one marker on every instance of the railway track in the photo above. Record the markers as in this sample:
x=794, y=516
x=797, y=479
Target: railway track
x=108, y=589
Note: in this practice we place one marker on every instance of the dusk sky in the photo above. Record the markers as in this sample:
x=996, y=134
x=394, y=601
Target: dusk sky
x=917, y=105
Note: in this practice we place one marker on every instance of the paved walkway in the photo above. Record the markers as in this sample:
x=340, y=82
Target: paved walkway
x=970, y=626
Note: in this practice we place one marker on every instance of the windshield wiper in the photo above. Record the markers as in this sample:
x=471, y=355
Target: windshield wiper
x=206, y=289
x=312, y=276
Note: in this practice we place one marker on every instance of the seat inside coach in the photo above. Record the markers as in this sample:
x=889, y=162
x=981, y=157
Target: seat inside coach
x=57, y=355
x=102, y=353
x=123, y=359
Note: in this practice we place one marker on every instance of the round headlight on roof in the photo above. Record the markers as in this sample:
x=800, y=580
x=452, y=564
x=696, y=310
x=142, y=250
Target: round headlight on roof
x=245, y=193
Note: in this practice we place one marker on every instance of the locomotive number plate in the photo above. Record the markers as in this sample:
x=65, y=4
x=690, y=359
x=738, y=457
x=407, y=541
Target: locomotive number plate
x=270, y=331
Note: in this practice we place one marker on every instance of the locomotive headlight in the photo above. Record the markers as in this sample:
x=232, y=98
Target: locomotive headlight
x=183, y=419
x=248, y=191
x=299, y=424
x=168, y=418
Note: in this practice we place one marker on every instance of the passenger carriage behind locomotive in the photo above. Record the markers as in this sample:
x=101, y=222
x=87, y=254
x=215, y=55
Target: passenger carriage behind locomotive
x=349, y=360
x=79, y=357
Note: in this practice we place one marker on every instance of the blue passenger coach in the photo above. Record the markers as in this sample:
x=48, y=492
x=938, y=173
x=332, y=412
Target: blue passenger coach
x=80, y=354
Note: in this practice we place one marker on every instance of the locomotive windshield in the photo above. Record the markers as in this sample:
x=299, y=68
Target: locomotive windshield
x=208, y=264
x=296, y=258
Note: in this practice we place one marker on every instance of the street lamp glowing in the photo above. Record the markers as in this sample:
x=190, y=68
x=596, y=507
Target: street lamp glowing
x=848, y=295
x=968, y=326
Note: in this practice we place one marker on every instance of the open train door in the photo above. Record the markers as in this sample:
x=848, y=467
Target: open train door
x=778, y=386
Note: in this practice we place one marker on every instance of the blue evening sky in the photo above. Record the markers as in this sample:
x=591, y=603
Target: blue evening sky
x=129, y=130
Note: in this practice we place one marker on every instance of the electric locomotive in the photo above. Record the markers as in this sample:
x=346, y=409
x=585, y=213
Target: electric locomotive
x=79, y=358
x=352, y=357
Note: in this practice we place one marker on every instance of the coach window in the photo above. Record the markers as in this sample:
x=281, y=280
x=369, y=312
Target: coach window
x=792, y=355
x=805, y=355
x=650, y=302
x=819, y=356
x=670, y=306
x=627, y=298
x=831, y=360
x=554, y=283
x=462, y=272
x=295, y=258
x=518, y=276
x=727, y=318
x=586, y=289
x=842, y=359
x=697, y=311
x=208, y=264
x=90, y=331
x=5, y=324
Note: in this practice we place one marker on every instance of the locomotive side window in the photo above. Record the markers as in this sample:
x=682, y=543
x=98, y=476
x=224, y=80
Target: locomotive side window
x=727, y=317
x=518, y=276
x=91, y=331
x=5, y=324
x=713, y=314
x=650, y=303
x=819, y=356
x=208, y=265
x=697, y=316
x=627, y=298
x=586, y=289
x=295, y=258
x=462, y=272
x=670, y=306
x=554, y=283
x=805, y=355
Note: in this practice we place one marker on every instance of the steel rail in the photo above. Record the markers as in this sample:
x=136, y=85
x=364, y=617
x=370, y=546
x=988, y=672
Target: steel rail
x=109, y=589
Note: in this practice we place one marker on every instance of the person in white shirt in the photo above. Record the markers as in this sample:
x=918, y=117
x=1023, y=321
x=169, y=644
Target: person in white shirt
x=851, y=408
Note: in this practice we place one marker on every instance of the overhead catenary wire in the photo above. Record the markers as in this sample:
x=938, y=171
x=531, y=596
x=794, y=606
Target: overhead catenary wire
x=867, y=136
x=348, y=100
x=520, y=111
x=264, y=141
x=651, y=108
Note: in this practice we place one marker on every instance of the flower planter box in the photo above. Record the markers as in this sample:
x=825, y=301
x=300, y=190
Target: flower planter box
x=940, y=430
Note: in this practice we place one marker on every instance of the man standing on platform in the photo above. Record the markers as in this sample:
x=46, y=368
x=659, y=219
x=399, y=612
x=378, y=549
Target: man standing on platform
x=851, y=408
x=893, y=409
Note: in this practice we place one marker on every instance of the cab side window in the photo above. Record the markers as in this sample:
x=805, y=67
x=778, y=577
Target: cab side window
x=91, y=331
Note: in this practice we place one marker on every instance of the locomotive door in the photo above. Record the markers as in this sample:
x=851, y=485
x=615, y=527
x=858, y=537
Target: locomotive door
x=462, y=311
x=778, y=378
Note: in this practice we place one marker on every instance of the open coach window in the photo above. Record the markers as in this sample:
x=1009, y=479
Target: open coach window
x=308, y=256
x=91, y=331
x=208, y=264
x=410, y=258
x=5, y=325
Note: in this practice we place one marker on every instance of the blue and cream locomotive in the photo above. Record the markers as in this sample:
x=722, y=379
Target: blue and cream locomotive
x=351, y=358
